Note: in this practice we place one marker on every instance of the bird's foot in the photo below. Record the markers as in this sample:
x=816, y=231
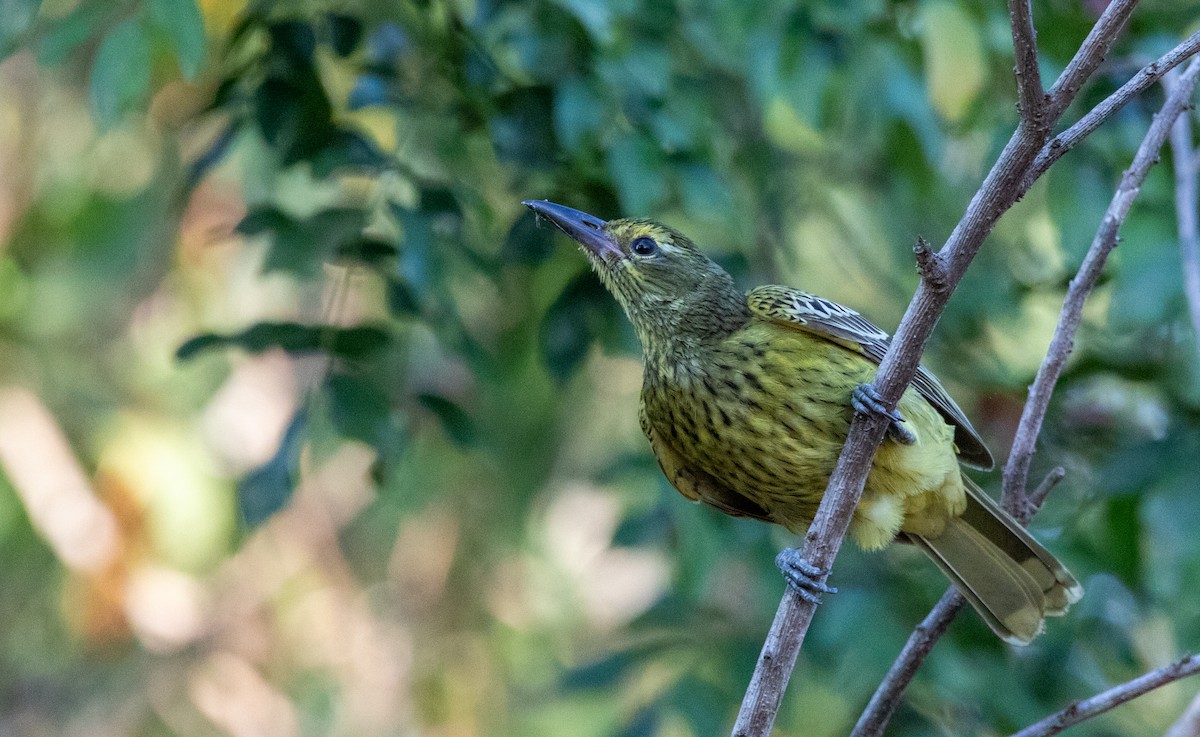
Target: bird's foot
x=865, y=399
x=804, y=577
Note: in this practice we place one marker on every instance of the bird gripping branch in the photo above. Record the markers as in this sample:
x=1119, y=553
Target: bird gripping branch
x=747, y=399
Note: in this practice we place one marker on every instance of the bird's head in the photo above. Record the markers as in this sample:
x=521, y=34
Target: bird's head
x=655, y=272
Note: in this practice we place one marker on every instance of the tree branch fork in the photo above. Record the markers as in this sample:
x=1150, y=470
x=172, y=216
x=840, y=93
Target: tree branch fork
x=1029, y=154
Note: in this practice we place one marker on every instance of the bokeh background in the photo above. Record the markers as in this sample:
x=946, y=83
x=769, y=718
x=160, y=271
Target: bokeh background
x=307, y=428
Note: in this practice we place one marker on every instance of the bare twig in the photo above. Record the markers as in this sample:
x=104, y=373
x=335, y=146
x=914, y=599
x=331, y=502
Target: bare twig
x=1091, y=53
x=887, y=696
x=879, y=710
x=1137, y=84
x=1038, y=497
x=1186, y=172
x=929, y=266
x=1002, y=187
x=1115, y=696
x=1016, y=471
x=1188, y=723
x=1030, y=95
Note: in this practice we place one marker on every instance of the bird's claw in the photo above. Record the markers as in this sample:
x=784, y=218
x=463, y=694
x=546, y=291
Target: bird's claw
x=865, y=399
x=806, y=579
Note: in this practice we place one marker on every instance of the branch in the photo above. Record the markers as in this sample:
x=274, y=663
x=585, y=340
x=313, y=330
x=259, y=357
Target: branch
x=929, y=265
x=1016, y=471
x=1038, y=497
x=1091, y=53
x=1031, y=98
x=1187, y=170
x=887, y=697
x=1002, y=187
x=1115, y=696
x=1137, y=84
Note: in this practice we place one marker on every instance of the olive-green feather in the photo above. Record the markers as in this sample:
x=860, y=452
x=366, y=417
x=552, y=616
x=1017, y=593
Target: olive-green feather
x=746, y=403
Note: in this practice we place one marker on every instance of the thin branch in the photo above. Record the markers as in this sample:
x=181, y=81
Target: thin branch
x=1137, y=84
x=1016, y=471
x=1002, y=187
x=1038, y=497
x=1188, y=723
x=929, y=266
x=1115, y=696
x=1030, y=95
x=1186, y=173
x=887, y=696
x=1091, y=52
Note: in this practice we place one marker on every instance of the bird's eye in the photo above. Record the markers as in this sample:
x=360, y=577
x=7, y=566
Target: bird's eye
x=644, y=246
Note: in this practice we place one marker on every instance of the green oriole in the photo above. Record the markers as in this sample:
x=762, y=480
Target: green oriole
x=747, y=399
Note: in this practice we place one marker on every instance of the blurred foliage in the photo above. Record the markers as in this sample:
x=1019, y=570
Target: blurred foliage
x=307, y=428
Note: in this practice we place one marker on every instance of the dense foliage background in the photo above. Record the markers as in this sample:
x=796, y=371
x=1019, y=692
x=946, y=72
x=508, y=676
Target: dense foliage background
x=306, y=428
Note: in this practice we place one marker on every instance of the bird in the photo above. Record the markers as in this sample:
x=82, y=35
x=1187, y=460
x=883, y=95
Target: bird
x=747, y=399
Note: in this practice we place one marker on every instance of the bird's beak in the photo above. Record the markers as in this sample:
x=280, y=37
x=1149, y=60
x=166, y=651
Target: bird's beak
x=588, y=230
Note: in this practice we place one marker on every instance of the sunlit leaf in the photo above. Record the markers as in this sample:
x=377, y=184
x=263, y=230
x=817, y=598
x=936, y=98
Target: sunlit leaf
x=955, y=68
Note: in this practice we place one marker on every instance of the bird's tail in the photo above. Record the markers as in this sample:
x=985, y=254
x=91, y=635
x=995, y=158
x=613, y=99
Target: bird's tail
x=1010, y=579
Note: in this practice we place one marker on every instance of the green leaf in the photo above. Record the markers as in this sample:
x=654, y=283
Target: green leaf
x=16, y=18
x=68, y=33
x=955, y=67
x=636, y=166
x=351, y=343
x=294, y=39
x=457, y=423
x=527, y=242
x=581, y=314
x=705, y=195
x=578, y=113
x=645, y=723
x=183, y=24
x=264, y=220
x=121, y=72
x=368, y=250
x=300, y=246
x=357, y=408
x=347, y=149
x=400, y=298
x=357, y=342
x=345, y=33
x=264, y=491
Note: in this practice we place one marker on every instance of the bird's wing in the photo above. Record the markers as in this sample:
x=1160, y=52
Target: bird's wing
x=696, y=484
x=851, y=330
